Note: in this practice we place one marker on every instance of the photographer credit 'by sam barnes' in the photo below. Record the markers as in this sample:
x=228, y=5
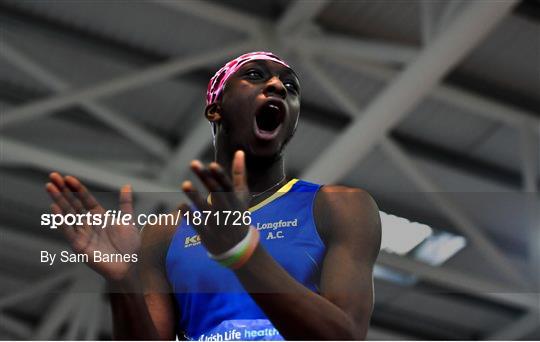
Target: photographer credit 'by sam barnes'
x=97, y=256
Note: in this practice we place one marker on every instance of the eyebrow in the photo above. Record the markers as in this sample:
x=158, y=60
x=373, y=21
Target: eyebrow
x=291, y=71
x=263, y=63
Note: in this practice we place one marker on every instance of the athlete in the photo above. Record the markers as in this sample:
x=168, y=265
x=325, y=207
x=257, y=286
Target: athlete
x=301, y=270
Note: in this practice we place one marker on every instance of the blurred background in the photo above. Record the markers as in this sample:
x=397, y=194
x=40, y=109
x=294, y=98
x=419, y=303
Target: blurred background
x=431, y=106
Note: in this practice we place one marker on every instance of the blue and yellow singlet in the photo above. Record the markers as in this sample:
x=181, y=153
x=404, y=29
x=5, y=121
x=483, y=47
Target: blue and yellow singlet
x=212, y=303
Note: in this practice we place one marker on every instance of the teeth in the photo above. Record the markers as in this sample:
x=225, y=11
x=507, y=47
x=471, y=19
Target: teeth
x=273, y=107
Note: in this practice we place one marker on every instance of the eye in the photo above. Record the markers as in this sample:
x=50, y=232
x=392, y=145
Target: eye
x=254, y=74
x=291, y=86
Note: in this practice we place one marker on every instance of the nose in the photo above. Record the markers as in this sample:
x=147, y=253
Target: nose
x=274, y=86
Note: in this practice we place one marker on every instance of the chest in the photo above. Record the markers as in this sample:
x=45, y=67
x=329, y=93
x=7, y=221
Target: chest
x=287, y=231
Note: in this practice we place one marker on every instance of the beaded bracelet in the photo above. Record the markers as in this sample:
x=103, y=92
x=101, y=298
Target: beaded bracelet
x=237, y=256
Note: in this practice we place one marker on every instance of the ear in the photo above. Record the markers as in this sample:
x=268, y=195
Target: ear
x=213, y=112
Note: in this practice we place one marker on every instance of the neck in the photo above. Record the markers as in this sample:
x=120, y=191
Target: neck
x=262, y=173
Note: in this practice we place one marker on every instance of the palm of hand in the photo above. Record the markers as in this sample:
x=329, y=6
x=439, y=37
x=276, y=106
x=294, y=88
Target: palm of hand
x=71, y=196
x=227, y=195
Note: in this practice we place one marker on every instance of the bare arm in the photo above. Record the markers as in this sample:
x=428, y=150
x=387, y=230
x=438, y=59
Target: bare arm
x=142, y=304
x=139, y=316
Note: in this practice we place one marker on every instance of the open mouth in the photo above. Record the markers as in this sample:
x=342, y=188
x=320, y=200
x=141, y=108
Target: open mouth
x=268, y=120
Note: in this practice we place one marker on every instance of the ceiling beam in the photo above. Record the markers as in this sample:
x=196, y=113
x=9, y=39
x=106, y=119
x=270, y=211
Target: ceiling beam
x=334, y=45
x=435, y=17
x=462, y=282
x=451, y=159
x=115, y=47
x=215, y=13
x=43, y=286
x=17, y=328
x=336, y=121
x=152, y=74
x=450, y=11
x=80, y=316
x=394, y=103
x=460, y=220
x=529, y=144
x=519, y=329
x=428, y=18
x=411, y=86
x=59, y=312
x=298, y=14
x=51, y=161
x=126, y=127
x=326, y=83
x=93, y=325
x=474, y=103
x=192, y=146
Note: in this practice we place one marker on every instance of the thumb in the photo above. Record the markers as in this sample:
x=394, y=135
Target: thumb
x=239, y=176
x=126, y=199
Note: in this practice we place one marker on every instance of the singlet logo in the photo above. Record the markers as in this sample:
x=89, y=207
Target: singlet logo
x=274, y=229
x=278, y=224
x=192, y=241
x=195, y=240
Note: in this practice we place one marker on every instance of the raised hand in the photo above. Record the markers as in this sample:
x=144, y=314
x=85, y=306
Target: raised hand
x=70, y=196
x=226, y=195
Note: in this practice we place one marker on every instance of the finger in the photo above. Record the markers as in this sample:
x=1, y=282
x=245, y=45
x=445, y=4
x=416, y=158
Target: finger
x=58, y=198
x=226, y=183
x=55, y=209
x=88, y=201
x=193, y=194
x=126, y=199
x=218, y=196
x=239, y=176
x=219, y=175
x=60, y=183
x=57, y=179
x=239, y=172
x=61, y=205
x=68, y=231
x=205, y=176
x=70, y=197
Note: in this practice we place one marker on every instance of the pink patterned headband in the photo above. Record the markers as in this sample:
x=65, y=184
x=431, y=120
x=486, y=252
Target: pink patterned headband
x=218, y=81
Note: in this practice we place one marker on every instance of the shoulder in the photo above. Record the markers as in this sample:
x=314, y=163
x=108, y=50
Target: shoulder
x=337, y=201
x=347, y=214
